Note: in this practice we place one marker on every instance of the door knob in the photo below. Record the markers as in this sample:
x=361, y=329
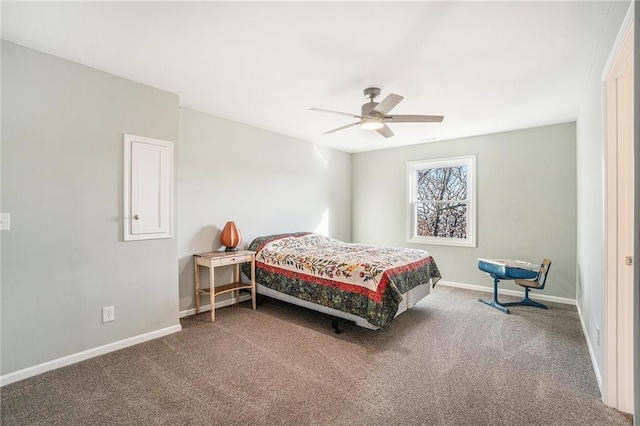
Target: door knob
x=136, y=217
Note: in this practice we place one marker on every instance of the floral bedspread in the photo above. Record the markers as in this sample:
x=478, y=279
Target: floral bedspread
x=364, y=280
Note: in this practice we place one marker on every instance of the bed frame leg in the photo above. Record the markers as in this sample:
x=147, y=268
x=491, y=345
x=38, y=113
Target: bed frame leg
x=335, y=324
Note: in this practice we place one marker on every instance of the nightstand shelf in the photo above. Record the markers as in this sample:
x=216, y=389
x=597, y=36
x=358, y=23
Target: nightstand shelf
x=215, y=259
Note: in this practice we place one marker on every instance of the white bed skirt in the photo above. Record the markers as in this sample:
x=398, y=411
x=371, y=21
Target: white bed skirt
x=409, y=299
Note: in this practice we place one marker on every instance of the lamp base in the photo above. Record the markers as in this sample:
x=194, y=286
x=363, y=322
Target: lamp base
x=231, y=249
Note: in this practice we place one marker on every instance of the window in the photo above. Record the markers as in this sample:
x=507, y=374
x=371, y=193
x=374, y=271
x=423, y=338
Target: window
x=442, y=201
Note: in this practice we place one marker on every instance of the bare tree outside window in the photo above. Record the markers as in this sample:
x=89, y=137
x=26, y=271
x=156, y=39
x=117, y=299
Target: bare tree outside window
x=442, y=202
x=442, y=205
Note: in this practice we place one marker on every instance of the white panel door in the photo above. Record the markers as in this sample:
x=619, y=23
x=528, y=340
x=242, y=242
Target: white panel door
x=625, y=236
x=148, y=212
x=619, y=363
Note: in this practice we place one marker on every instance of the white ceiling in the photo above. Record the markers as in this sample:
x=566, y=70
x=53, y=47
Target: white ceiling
x=486, y=66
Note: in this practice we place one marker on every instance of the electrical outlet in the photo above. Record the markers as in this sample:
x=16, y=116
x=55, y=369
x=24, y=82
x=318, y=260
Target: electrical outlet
x=108, y=313
x=597, y=335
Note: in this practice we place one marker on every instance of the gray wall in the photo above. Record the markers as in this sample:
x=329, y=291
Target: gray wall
x=62, y=176
x=266, y=182
x=62, y=166
x=590, y=169
x=526, y=202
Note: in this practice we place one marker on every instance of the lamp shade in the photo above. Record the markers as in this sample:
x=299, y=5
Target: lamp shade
x=371, y=123
x=230, y=236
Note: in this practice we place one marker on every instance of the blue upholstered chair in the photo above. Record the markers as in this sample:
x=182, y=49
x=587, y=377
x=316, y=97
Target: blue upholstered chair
x=538, y=284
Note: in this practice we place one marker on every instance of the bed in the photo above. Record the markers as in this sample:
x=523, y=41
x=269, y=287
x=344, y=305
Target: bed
x=366, y=284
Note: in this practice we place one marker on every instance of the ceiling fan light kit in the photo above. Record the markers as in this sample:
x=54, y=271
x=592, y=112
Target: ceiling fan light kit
x=374, y=115
x=371, y=123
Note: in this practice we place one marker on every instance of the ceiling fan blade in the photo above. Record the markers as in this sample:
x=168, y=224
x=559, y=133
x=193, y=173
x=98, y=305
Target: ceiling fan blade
x=385, y=131
x=413, y=118
x=388, y=103
x=335, y=112
x=342, y=128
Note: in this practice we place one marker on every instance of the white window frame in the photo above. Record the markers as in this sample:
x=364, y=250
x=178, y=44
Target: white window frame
x=412, y=168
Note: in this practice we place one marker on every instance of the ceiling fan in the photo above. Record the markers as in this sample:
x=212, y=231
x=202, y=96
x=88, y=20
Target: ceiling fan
x=374, y=115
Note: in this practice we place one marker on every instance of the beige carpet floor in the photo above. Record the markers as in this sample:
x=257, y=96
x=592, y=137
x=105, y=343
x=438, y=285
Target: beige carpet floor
x=449, y=361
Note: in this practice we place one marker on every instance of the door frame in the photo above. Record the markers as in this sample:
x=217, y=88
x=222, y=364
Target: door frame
x=617, y=378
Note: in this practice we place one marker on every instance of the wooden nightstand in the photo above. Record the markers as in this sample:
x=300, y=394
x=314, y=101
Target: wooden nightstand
x=214, y=259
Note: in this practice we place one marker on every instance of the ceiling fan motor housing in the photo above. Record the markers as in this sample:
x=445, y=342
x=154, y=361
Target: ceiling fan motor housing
x=367, y=108
x=371, y=93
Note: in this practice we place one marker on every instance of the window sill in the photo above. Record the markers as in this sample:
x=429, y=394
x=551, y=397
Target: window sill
x=454, y=242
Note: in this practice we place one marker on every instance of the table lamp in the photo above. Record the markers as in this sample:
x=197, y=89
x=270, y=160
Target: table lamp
x=230, y=236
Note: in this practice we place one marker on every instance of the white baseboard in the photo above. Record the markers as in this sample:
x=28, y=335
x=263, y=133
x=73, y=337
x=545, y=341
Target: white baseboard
x=592, y=354
x=535, y=296
x=84, y=355
x=221, y=304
